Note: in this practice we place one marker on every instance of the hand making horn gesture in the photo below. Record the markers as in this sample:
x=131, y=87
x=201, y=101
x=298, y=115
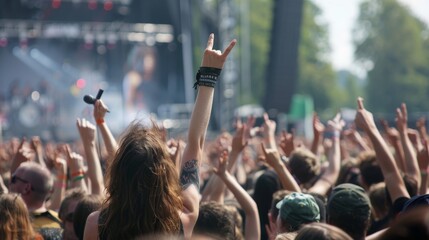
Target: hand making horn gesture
x=364, y=118
x=215, y=58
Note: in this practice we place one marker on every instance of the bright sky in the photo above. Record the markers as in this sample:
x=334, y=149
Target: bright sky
x=341, y=15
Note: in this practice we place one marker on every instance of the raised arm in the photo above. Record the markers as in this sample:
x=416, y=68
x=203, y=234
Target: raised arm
x=423, y=155
x=22, y=154
x=272, y=157
x=77, y=173
x=100, y=110
x=392, y=177
x=269, y=132
x=58, y=195
x=395, y=140
x=212, y=63
x=411, y=164
x=87, y=134
x=37, y=146
x=252, y=226
x=330, y=176
x=217, y=188
x=318, y=129
x=287, y=142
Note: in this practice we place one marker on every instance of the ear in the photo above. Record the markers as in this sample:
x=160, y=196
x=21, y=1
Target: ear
x=27, y=189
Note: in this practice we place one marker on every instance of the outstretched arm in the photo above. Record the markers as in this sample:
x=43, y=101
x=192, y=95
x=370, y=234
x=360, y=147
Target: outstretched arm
x=212, y=63
x=392, y=177
x=60, y=183
x=217, y=187
x=318, y=129
x=75, y=163
x=394, y=138
x=330, y=176
x=249, y=206
x=272, y=157
x=100, y=110
x=87, y=134
x=411, y=165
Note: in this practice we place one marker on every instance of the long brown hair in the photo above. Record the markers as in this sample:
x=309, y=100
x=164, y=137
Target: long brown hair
x=14, y=218
x=144, y=194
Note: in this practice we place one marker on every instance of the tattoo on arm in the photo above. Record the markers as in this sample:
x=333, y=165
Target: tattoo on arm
x=190, y=174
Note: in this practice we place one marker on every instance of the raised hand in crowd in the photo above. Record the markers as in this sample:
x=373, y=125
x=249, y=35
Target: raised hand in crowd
x=252, y=227
x=287, y=144
x=272, y=158
x=77, y=170
x=423, y=161
x=415, y=139
x=356, y=138
x=37, y=146
x=269, y=132
x=421, y=127
x=411, y=166
x=87, y=133
x=318, y=130
x=215, y=188
x=211, y=65
x=100, y=110
x=22, y=154
x=394, y=138
x=60, y=184
x=392, y=177
x=330, y=175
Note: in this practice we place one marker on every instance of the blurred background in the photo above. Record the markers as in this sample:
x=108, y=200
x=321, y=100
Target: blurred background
x=293, y=57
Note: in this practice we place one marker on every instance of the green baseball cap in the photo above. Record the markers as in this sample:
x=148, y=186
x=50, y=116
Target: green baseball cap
x=298, y=208
x=349, y=199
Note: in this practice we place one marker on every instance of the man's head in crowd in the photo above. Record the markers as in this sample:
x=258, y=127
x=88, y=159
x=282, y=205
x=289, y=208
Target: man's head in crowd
x=377, y=196
x=321, y=231
x=215, y=222
x=304, y=165
x=86, y=206
x=369, y=169
x=295, y=210
x=349, y=208
x=67, y=209
x=34, y=183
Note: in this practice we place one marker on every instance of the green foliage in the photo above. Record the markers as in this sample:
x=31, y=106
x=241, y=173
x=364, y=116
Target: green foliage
x=391, y=41
x=316, y=76
x=260, y=32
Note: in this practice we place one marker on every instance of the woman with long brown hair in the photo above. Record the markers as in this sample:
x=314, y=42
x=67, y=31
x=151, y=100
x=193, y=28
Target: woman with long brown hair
x=145, y=194
x=14, y=219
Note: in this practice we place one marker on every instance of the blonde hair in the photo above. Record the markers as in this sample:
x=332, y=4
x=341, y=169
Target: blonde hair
x=14, y=218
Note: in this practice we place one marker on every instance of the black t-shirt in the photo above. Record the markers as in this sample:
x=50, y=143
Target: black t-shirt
x=398, y=205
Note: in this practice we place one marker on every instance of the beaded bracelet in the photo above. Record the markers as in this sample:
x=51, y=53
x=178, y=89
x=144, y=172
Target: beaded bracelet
x=77, y=178
x=75, y=174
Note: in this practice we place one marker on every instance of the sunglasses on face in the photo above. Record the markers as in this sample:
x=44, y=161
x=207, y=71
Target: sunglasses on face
x=14, y=179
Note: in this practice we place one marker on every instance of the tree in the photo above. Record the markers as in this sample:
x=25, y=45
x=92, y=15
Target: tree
x=260, y=28
x=390, y=40
x=316, y=76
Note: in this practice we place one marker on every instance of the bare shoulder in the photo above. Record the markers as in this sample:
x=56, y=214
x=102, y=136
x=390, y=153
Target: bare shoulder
x=91, y=227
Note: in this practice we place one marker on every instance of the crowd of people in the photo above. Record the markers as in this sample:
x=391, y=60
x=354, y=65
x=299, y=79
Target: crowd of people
x=346, y=183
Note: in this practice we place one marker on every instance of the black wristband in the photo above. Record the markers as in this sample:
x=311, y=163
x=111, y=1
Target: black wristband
x=207, y=76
